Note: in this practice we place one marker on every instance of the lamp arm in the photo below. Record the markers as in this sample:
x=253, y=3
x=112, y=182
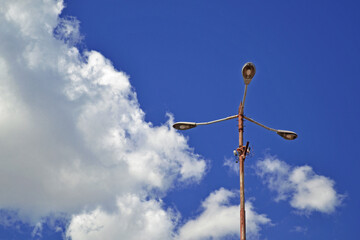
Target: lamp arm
x=219, y=120
x=261, y=125
x=243, y=102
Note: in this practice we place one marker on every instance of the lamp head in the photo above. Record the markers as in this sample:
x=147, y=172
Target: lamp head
x=288, y=135
x=248, y=72
x=184, y=125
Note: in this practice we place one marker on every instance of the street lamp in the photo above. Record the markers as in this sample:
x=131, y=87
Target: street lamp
x=248, y=72
x=184, y=125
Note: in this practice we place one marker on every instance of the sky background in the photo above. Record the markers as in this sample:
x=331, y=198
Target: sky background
x=89, y=91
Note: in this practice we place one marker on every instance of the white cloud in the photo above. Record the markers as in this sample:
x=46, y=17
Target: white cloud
x=232, y=165
x=306, y=190
x=254, y=221
x=72, y=135
x=135, y=219
x=299, y=229
x=219, y=219
x=68, y=30
x=138, y=218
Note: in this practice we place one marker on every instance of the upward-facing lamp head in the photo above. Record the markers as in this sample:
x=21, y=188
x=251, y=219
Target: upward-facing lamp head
x=248, y=72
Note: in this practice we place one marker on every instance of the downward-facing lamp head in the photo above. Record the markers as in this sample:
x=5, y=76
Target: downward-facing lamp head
x=288, y=135
x=184, y=125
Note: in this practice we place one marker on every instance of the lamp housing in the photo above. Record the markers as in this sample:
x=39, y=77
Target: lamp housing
x=248, y=72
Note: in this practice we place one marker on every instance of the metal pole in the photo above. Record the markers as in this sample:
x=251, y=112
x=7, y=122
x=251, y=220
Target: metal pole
x=242, y=154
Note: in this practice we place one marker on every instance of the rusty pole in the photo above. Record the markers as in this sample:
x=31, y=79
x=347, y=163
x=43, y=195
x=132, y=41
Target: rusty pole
x=242, y=155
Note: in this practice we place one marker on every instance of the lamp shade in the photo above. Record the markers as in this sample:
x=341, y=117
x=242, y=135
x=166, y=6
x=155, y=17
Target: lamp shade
x=288, y=135
x=248, y=72
x=184, y=125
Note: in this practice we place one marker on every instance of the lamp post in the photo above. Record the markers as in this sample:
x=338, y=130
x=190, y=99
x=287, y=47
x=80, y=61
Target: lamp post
x=248, y=72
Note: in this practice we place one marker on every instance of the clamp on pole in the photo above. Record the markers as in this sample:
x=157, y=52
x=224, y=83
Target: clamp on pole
x=243, y=150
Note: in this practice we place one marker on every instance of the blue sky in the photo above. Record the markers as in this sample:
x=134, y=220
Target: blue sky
x=96, y=85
